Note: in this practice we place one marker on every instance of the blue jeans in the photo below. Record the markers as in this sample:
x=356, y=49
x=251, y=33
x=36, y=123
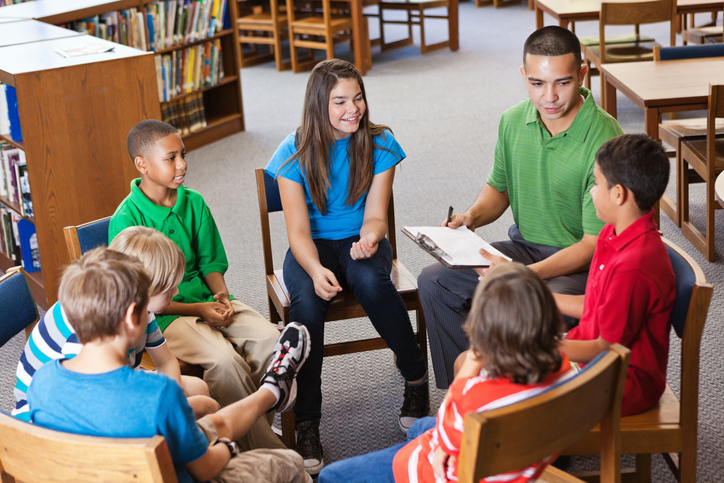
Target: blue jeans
x=375, y=467
x=369, y=281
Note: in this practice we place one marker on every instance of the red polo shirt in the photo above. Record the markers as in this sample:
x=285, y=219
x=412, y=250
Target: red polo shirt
x=629, y=298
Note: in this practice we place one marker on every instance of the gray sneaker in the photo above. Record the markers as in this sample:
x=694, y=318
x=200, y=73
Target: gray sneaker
x=415, y=405
x=290, y=352
x=310, y=447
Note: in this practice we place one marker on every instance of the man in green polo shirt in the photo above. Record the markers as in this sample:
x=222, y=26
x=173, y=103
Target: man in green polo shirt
x=543, y=170
x=203, y=325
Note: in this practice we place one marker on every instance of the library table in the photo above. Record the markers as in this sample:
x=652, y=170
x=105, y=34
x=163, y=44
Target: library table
x=719, y=189
x=62, y=11
x=567, y=11
x=24, y=31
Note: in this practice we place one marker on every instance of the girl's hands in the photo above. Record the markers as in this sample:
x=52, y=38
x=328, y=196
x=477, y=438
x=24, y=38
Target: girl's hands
x=440, y=461
x=325, y=284
x=366, y=247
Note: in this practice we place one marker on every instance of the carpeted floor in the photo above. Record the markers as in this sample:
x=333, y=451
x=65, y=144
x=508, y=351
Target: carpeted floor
x=443, y=108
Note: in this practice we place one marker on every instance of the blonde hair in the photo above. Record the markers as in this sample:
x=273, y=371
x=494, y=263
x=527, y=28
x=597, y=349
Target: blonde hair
x=514, y=325
x=163, y=259
x=97, y=290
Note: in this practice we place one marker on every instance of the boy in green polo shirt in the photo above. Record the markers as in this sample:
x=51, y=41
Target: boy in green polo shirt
x=204, y=324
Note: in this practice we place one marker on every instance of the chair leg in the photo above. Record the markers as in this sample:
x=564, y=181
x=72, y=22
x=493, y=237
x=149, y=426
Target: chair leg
x=710, y=210
x=603, y=88
x=643, y=468
x=423, y=46
x=687, y=465
x=588, y=75
x=288, y=430
x=293, y=50
x=421, y=330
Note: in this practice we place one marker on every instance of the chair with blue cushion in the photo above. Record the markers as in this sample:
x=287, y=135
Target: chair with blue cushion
x=671, y=427
x=515, y=436
x=17, y=306
x=31, y=453
x=344, y=305
x=674, y=132
x=82, y=238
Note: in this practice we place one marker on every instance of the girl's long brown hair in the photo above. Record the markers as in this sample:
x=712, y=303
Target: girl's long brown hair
x=315, y=136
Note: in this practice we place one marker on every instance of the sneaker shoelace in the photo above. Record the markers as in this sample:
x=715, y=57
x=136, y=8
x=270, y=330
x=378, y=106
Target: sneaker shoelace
x=287, y=374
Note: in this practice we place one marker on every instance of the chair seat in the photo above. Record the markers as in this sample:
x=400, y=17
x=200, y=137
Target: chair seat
x=701, y=34
x=697, y=147
x=312, y=25
x=259, y=21
x=636, y=430
x=626, y=52
x=414, y=4
x=687, y=128
x=615, y=39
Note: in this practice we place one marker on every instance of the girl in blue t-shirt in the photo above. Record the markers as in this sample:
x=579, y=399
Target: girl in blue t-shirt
x=335, y=177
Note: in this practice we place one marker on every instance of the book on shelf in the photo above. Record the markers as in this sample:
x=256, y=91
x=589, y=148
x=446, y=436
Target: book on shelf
x=188, y=70
x=454, y=248
x=4, y=114
x=125, y=27
x=176, y=22
x=187, y=114
x=10, y=156
x=28, y=240
x=11, y=99
x=10, y=244
x=4, y=3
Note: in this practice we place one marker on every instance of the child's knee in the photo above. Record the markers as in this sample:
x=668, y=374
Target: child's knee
x=202, y=405
x=193, y=386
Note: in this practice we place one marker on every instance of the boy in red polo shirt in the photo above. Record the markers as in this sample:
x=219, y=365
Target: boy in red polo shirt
x=631, y=287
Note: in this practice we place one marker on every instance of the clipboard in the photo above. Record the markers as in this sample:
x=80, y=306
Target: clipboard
x=453, y=247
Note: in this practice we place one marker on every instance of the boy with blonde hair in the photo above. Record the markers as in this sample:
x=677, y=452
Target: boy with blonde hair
x=105, y=295
x=203, y=324
x=55, y=338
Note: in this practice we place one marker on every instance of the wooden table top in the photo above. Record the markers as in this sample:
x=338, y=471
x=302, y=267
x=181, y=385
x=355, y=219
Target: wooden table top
x=21, y=32
x=674, y=82
x=590, y=9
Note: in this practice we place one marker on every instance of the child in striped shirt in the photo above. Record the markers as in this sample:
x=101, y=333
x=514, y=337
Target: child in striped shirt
x=54, y=338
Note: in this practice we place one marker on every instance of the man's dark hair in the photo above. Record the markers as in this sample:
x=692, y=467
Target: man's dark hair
x=639, y=164
x=552, y=41
x=145, y=134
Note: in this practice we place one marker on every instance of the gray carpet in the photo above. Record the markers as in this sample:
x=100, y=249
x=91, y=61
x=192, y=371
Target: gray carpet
x=443, y=108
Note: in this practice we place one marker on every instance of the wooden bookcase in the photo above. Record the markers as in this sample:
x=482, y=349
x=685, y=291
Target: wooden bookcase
x=75, y=114
x=223, y=103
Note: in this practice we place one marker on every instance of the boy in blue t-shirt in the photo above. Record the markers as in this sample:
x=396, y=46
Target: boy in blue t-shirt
x=105, y=298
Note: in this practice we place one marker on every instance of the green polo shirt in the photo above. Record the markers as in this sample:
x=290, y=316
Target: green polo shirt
x=190, y=225
x=548, y=179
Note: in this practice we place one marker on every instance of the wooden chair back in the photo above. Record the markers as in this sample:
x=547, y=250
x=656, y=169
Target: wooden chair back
x=31, y=453
x=515, y=436
x=637, y=13
x=688, y=52
x=263, y=25
x=82, y=238
x=715, y=110
x=17, y=305
x=343, y=306
x=671, y=427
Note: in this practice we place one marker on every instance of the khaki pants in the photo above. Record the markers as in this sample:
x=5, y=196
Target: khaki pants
x=259, y=465
x=233, y=358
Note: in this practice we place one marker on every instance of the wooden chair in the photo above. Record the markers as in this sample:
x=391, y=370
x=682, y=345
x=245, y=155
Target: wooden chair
x=706, y=158
x=415, y=10
x=675, y=131
x=314, y=31
x=706, y=34
x=31, y=453
x=342, y=306
x=496, y=3
x=671, y=427
x=634, y=48
x=514, y=436
x=17, y=305
x=82, y=238
x=263, y=25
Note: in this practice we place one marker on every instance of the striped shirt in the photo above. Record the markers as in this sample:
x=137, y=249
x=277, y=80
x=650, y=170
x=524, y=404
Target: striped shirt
x=413, y=463
x=548, y=179
x=54, y=338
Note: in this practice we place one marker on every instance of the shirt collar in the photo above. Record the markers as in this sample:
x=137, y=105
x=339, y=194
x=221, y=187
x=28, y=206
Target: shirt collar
x=638, y=228
x=581, y=124
x=156, y=212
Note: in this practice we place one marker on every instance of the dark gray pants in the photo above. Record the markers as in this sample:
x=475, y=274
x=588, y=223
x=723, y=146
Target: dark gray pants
x=446, y=295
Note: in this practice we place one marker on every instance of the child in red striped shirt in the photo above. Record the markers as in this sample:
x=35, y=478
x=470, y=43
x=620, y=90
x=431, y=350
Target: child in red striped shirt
x=514, y=328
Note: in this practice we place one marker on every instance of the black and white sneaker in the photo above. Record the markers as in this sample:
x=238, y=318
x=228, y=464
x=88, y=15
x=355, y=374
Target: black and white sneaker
x=415, y=405
x=310, y=447
x=290, y=352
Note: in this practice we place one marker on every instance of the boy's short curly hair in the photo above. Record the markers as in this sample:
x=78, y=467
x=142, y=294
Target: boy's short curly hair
x=552, y=41
x=145, y=134
x=97, y=290
x=639, y=164
x=514, y=325
x=163, y=259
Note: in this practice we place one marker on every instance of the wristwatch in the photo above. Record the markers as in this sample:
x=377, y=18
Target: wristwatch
x=233, y=447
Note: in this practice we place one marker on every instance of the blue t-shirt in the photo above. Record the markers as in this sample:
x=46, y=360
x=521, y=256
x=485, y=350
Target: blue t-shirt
x=121, y=404
x=342, y=220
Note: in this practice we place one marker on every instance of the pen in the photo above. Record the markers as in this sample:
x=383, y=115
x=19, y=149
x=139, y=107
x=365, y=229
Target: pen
x=449, y=215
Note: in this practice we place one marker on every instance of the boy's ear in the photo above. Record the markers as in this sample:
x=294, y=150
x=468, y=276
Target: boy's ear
x=129, y=319
x=620, y=194
x=140, y=163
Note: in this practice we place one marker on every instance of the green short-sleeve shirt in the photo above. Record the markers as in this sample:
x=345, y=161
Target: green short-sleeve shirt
x=191, y=226
x=548, y=179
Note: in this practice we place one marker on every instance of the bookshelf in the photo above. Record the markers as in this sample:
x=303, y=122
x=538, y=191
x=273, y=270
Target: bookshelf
x=74, y=136
x=222, y=102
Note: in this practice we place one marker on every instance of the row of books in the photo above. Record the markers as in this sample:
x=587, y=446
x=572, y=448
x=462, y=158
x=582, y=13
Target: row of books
x=175, y=22
x=14, y=179
x=18, y=240
x=189, y=70
x=9, y=116
x=122, y=27
x=4, y=3
x=187, y=115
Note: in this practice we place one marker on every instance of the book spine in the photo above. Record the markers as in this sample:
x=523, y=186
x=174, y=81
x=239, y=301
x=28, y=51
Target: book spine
x=12, y=100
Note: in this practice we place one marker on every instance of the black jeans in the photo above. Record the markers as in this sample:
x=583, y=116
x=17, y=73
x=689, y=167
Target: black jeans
x=369, y=281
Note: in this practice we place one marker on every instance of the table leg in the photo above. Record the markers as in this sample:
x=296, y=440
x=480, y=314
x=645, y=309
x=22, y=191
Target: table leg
x=609, y=97
x=652, y=118
x=538, y=17
x=563, y=23
x=453, y=24
x=360, y=60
